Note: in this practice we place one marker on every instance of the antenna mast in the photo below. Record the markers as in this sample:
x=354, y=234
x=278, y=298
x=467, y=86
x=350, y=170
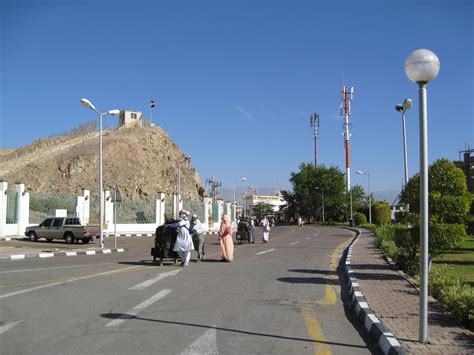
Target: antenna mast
x=214, y=186
x=347, y=94
x=314, y=122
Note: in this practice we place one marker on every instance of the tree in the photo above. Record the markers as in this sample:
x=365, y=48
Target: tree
x=448, y=207
x=262, y=209
x=308, y=184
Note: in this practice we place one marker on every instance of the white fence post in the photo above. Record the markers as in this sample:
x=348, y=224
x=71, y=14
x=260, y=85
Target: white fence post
x=160, y=209
x=3, y=207
x=108, y=211
x=23, y=207
x=207, y=216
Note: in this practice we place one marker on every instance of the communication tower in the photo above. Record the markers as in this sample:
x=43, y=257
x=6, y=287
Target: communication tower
x=314, y=123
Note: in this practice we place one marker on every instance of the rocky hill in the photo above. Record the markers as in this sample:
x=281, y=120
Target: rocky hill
x=141, y=161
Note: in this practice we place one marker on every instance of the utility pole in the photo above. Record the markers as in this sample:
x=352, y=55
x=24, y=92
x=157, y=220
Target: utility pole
x=314, y=122
x=213, y=185
x=347, y=94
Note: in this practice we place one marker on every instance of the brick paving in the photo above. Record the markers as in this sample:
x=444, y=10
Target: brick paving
x=394, y=300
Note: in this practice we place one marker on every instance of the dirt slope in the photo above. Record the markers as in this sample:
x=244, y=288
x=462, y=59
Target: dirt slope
x=141, y=161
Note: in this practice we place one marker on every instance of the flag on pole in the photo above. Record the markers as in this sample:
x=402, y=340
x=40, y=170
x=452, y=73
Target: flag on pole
x=152, y=103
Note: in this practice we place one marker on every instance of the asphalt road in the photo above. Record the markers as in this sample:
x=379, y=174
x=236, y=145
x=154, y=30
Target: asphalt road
x=283, y=297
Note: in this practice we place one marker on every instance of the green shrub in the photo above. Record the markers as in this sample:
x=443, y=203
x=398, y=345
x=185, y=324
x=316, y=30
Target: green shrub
x=444, y=237
x=457, y=297
x=469, y=222
x=382, y=213
x=383, y=233
x=359, y=218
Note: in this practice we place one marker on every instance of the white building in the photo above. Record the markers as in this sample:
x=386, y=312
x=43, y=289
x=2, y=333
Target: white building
x=276, y=201
x=129, y=118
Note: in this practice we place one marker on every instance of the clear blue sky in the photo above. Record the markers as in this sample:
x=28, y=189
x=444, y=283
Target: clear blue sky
x=236, y=81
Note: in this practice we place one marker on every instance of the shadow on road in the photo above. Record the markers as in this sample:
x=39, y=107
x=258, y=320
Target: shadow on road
x=130, y=316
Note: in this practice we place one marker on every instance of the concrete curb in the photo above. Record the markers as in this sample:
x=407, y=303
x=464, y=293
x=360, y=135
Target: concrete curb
x=62, y=253
x=386, y=340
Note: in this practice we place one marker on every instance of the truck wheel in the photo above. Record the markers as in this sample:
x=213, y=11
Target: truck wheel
x=33, y=237
x=69, y=238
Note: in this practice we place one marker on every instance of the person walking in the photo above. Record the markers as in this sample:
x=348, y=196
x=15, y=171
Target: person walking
x=252, y=230
x=198, y=237
x=265, y=224
x=184, y=241
x=226, y=240
x=300, y=222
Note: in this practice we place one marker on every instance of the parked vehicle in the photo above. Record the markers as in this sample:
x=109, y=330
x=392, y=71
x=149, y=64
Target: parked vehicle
x=67, y=228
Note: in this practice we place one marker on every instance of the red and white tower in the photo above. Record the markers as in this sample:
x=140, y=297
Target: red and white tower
x=347, y=95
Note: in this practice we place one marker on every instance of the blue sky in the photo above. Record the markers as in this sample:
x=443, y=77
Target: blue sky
x=236, y=81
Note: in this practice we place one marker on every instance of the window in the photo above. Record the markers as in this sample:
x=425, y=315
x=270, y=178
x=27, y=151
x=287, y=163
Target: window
x=47, y=222
x=57, y=222
x=133, y=115
x=72, y=221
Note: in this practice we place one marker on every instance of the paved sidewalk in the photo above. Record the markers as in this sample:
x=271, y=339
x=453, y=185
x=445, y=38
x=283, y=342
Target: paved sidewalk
x=394, y=300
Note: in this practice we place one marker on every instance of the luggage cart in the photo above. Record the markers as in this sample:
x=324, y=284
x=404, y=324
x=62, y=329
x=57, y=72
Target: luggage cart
x=243, y=231
x=165, y=237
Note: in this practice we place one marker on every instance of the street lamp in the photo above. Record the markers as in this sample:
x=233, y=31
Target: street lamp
x=240, y=179
x=322, y=199
x=360, y=172
x=421, y=67
x=86, y=103
x=407, y=104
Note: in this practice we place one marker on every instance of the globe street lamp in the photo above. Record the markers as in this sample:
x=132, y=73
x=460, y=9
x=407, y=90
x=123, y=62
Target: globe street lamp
x=240, y=179
x=407, y=104
x=360, y=172
x=86, y=103
x=322, y=200
x=421, y=67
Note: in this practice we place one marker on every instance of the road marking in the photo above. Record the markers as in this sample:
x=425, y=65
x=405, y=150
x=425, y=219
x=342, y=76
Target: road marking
x=6, y=327
x=135, y=310
x=150, y=282
x=205, y=344
x=294, y=243
x=265, y=251
x=308, y=238
x=49, y=268
x=315, y=332
x=65, y=281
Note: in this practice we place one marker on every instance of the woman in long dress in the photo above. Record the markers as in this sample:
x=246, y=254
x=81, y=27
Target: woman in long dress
x=226, y=240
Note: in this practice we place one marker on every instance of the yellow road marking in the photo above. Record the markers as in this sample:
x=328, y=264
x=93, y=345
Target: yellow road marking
x=312, y=324
x=315, y=332
x=75, y=278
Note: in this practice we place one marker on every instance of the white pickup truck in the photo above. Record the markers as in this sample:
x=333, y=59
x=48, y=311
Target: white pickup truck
x=67, y=228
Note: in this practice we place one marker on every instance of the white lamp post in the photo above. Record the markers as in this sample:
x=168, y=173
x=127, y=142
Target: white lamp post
x=421, y=67
x=360, y=172
x=407, y=104
x=89, y=104
x=240, y=179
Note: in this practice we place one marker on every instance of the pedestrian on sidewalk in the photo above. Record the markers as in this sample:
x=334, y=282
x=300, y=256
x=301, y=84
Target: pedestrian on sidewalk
x=198, y=237
x=184, y=241
x=226, y=240
x=265, y=224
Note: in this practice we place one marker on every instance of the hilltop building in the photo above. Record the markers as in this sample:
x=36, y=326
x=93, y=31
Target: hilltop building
x=130, y=118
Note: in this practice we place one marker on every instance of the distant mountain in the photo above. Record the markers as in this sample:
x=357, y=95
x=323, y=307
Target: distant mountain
x=386, y=195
